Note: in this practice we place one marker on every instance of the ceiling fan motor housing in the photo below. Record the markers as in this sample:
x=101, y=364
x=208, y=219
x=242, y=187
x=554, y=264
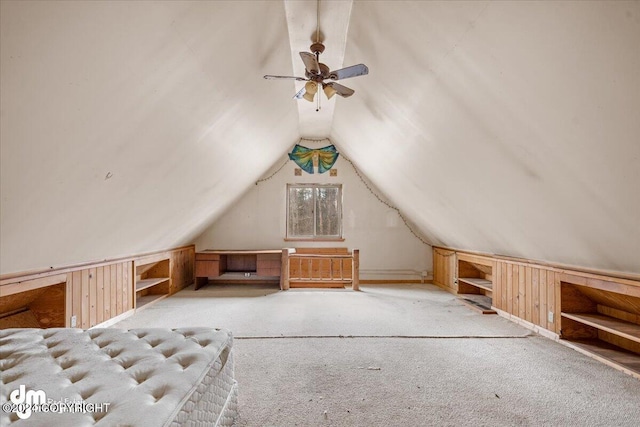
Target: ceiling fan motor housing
x=317, y=48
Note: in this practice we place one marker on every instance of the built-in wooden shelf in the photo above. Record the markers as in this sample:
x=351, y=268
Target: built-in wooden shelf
x=238, y=266
x=481, y=303
x=153, y=280
x=147, y=300
x=474, y=282
x=148, y=283
x=610, y=354
x=602, y=323
x=484, y=284
x=627, y=330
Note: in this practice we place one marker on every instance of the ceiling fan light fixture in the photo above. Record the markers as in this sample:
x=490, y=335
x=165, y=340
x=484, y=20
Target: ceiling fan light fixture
x=329, y=91
x=311, y=87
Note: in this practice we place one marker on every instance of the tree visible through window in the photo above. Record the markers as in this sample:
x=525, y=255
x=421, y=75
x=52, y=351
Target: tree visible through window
x=314, y=211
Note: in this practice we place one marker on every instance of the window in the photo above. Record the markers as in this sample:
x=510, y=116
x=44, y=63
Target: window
x=314, y=211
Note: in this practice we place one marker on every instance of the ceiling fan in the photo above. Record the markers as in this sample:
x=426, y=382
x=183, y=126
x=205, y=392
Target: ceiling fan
x=316, y=73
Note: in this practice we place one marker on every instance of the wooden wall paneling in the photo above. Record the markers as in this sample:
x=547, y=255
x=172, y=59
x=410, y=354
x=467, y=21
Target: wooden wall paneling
x=509, y=287
x=19, y=286
x=114, y=289
x=503, y=284
x=551, y=303
x=93, y=296
x=535, y=294
x=84, y=324
x=106, y=295
x=100, y=294
x=497, y=285
x=77, y=297
x=119, y=289
x=68, y=306
x=543, y=298
x=522, y=298
x=444, y=269
x=528, y=295
x=183, y=268
x=127, y=286
x=92, y=293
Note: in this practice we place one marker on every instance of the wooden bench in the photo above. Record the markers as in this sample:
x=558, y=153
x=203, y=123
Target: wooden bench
x=321, y=268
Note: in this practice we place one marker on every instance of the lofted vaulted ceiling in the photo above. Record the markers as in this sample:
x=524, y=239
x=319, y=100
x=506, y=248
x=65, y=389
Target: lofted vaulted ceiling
x=504, y=127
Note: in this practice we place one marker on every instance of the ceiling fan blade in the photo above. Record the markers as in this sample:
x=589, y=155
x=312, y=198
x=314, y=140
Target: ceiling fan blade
x=300, y=93
x=343, y=91
x=310, y=62
x=348, y=72
x=270, y=77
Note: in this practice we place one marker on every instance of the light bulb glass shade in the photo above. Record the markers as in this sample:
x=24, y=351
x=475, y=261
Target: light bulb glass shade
x=311, y=87
x=309, y=96
x=329, y=91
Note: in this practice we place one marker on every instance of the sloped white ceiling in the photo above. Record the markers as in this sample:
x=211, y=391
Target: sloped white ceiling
x=128, y=127
x=507, y=127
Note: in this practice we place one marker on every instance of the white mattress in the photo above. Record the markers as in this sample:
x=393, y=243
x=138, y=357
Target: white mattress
x=149, y=377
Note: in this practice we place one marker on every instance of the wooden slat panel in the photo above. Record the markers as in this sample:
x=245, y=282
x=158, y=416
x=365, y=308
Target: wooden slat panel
x=497, y=285
x=77, y=297
x=551, y=302
x=119, y=289
x=69, y=301
x=85, y=300
x=107, y=293
x=93, y=294
x=114, y=290
x=625, y=287
x=522, y=298
x=544, y=290
x=100, y=294
x=535, y=294
x=127, y=288
x=509, y=286
x=528, y=316
x=27, y=285
x=505, y=294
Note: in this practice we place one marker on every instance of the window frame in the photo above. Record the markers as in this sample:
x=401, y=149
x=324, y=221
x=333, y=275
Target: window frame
x=315, y=237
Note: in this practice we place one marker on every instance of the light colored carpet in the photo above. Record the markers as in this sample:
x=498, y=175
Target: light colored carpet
x=254, y=310
x=467, y=369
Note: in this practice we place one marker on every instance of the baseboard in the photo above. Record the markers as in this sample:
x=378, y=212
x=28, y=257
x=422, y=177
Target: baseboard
x=392, y=282
x=114, y=320
x=535, y=328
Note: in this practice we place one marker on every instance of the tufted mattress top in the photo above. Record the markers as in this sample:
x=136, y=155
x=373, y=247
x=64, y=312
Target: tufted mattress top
x=147, y=376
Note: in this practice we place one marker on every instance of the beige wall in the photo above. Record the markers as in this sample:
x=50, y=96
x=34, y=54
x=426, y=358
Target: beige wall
x=388, y=250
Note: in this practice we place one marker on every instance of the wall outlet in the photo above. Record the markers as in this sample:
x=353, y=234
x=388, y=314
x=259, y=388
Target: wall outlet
x=74, y=321
x=550, y=317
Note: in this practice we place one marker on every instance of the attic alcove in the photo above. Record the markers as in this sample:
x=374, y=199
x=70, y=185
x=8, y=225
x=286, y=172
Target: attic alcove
x=258, y=220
